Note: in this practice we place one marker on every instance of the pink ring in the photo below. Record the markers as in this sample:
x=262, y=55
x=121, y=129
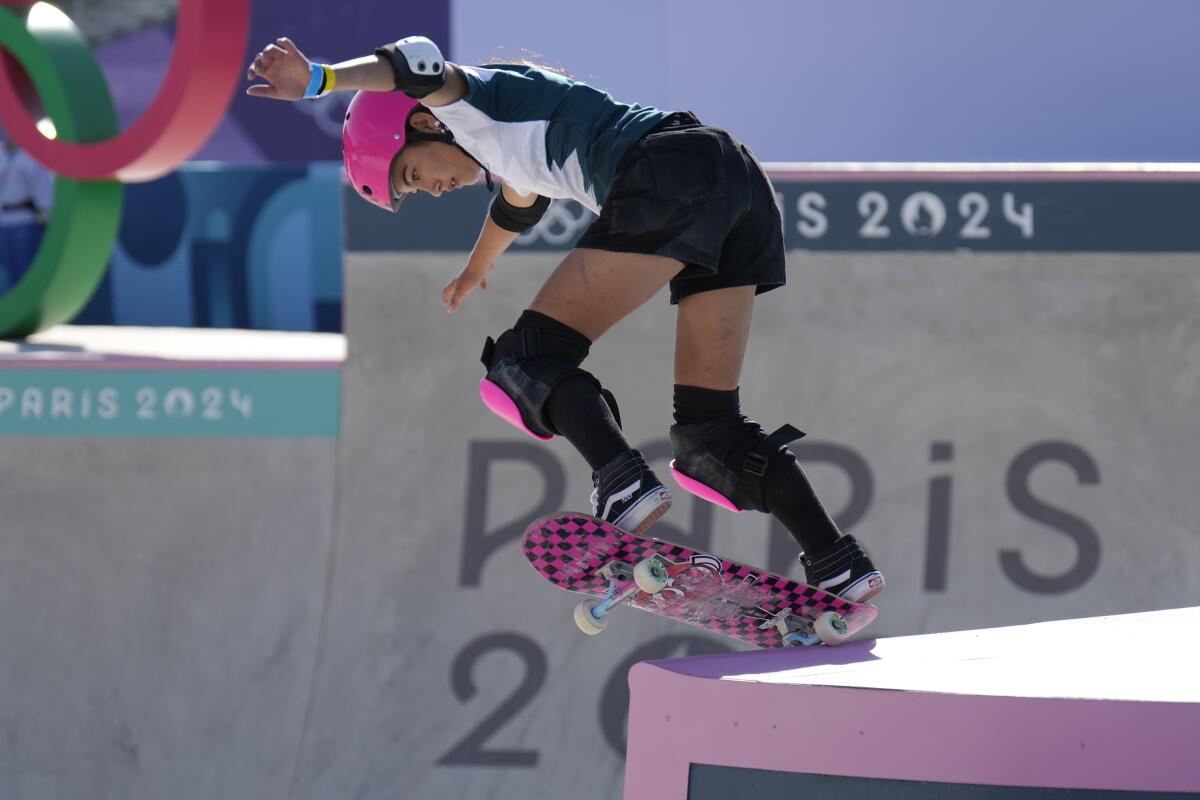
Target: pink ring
x=210, y=46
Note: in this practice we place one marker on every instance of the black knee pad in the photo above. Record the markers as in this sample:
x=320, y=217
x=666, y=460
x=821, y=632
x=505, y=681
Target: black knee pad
x=726, y=461
x=521, y=376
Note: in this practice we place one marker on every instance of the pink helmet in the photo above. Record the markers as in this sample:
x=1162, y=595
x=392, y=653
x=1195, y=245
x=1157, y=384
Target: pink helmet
x=375, y=131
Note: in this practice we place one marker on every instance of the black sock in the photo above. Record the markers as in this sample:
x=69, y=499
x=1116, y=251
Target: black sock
x=576, y=409
x=792, y=501
x=694, y=404
x=790, y=497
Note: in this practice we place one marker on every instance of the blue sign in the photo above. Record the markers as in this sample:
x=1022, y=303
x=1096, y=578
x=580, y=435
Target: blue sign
x=243, y=402
x=1130, y=216
x=226, y=246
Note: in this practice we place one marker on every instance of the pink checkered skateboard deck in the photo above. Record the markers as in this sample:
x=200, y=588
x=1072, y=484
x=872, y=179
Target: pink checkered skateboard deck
x=582, y=554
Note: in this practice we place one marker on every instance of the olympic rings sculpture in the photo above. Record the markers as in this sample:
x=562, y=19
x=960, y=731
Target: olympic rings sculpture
x=90, y=155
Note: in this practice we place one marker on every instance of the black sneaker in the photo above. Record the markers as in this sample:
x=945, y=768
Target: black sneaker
x=628, y=495
x=844, y=569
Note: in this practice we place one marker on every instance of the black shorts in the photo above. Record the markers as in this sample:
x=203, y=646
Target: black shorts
x=694, y=193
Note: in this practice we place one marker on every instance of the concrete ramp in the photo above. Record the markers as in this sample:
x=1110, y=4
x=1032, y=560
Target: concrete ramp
x=166, y=512
x=1081, y=708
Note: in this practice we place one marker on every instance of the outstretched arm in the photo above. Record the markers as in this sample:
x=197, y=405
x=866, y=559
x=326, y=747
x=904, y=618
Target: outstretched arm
x=287, y=74
x=493, y=241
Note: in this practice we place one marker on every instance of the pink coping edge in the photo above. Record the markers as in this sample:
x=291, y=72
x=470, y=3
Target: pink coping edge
x=701, y=490
x=160, y=364
x=676, y=720
x=502, y=406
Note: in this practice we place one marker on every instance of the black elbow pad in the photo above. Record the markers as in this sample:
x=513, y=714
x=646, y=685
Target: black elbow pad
x=514, y=219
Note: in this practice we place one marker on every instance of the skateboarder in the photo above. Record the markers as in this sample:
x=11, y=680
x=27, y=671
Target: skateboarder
x=680, y=203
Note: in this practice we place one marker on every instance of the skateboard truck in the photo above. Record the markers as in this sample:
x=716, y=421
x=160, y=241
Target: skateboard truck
x=828, y=627
x=648, y=575
x=797, y=637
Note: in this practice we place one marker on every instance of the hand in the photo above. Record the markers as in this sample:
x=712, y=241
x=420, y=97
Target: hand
x=463, y=285
x=285, y=70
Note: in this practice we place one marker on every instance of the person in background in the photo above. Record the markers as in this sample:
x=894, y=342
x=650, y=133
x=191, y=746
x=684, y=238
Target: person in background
x=26, y=197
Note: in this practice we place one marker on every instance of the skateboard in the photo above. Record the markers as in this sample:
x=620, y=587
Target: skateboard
x=582, y=554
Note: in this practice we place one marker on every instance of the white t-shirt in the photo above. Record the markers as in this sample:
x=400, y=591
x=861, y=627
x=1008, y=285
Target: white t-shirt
x=544, y=133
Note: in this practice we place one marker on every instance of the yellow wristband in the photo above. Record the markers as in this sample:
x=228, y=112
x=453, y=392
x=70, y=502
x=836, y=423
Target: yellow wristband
x=330, y=79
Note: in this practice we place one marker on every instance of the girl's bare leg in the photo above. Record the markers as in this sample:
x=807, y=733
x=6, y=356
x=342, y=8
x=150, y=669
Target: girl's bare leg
x=711, y=333
x=592, y=290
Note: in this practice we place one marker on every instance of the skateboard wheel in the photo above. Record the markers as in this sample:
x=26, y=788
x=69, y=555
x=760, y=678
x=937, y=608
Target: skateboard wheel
x=586, y=622
x=650, y=575
x=831, y=627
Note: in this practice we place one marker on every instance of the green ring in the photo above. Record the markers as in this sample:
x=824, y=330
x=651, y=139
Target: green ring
x=83, y=226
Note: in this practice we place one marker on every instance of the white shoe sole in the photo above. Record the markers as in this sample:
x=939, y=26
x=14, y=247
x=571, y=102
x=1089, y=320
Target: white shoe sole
x=638, y=518
x=865, y=589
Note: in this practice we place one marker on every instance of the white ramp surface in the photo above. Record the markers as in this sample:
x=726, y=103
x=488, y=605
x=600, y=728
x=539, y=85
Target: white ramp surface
x=1077, y=707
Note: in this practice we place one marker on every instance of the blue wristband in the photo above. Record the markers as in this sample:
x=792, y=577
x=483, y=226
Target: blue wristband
x=314, y=83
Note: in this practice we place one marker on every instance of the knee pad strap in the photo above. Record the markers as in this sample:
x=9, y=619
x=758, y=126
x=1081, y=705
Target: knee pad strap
x=733, y=483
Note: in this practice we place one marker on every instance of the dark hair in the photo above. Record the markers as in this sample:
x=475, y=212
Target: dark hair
x=527, y=62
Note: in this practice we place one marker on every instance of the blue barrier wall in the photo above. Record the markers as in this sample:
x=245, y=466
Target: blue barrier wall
x=261, y=246
x=226, y=246
x=866, y=209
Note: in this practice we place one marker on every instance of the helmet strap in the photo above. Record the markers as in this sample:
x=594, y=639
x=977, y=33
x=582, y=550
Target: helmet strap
x=487, y=173
x=446, y=137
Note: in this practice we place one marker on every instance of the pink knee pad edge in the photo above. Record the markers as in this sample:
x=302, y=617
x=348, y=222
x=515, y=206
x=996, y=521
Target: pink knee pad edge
x=503, y=407
x=701, y=490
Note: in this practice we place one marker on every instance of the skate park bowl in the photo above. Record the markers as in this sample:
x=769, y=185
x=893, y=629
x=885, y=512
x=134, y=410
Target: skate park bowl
x=286, y=565
x=167, y=502
x=1103, y=707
